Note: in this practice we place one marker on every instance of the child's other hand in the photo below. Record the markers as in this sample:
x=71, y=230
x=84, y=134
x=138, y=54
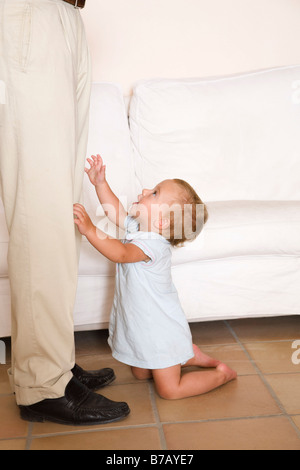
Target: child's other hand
x=96, y=172
x=82, y=220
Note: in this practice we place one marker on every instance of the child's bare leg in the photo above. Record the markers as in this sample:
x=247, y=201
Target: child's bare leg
x=201, y=360
x=141, y=374
x=172, y=386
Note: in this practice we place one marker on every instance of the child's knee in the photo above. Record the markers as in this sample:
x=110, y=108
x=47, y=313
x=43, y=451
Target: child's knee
x=166, y=395
x=167, y=382
x=141, y=374
x=166, y=392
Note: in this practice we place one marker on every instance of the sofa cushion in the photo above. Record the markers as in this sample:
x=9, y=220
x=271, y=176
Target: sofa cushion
x=234, y=229
x=245, y=228
x=232, y=138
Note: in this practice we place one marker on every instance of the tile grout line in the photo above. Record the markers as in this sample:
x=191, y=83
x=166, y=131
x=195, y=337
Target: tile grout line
x=142, y=426
x=263, y=379
x=157, y=418
x=90, y=430
x=29, y=436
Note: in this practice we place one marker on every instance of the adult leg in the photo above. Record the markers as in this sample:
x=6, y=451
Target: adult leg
x=45, y=75
x=38, y=159
x=45, y=83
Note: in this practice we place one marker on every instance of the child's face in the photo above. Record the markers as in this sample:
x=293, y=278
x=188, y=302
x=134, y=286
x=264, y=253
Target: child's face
x=153, y=204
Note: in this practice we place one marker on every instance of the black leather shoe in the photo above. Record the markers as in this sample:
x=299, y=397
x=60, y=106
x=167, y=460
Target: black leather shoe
x=94, y=379
x=79, y=407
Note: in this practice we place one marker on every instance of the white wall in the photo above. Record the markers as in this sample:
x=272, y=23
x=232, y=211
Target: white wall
x=135, y=39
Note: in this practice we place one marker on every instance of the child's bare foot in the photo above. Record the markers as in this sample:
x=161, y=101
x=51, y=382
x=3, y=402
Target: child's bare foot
x=229, y=374
x=202, y=360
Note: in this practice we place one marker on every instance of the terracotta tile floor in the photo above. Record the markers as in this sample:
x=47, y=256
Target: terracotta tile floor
x=261, y=410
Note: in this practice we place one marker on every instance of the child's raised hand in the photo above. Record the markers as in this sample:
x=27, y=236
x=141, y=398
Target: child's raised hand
x=82, y=220
x=96, y=172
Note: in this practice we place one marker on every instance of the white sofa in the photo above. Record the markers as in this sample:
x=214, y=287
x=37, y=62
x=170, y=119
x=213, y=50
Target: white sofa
x=236, y=140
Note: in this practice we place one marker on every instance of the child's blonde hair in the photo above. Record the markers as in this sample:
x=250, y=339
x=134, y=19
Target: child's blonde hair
x=188, y=217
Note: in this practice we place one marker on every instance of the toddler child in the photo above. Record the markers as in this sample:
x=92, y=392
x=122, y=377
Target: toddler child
x=148, y=328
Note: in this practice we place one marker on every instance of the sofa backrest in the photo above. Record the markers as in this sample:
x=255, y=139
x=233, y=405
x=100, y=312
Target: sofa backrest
x=109, y=136
x=232, y=138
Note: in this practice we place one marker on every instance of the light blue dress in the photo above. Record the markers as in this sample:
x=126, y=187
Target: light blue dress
x=148, y=328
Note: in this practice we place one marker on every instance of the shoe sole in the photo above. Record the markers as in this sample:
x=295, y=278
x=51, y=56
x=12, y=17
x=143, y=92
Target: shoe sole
x=31, y=416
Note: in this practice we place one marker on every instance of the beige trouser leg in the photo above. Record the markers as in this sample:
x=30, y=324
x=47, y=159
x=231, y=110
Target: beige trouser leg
x=45, y=82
